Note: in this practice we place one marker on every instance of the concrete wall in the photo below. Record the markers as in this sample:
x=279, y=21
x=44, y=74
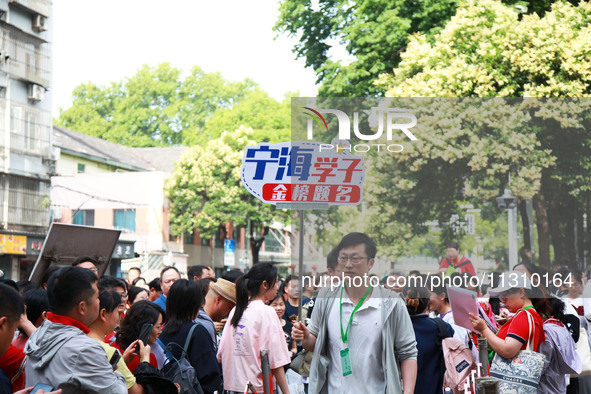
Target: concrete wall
x=68, y=165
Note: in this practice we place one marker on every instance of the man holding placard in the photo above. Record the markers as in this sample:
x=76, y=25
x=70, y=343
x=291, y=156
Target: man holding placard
x=360, y=332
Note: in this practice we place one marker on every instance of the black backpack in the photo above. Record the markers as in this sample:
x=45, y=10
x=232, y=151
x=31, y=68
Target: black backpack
x=180, y=370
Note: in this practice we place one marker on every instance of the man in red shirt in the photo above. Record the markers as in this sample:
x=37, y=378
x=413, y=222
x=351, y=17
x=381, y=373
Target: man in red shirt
x=459, y=263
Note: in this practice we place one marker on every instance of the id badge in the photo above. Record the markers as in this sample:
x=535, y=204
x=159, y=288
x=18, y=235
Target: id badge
x=346, y=362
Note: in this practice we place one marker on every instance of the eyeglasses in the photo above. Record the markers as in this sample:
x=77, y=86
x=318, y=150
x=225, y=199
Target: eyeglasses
x=353, y=260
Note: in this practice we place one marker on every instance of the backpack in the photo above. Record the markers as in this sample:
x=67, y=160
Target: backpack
x=457, y=359
x=180, y=370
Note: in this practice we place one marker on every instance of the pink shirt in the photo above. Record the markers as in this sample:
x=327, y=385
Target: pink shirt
x=239, y=349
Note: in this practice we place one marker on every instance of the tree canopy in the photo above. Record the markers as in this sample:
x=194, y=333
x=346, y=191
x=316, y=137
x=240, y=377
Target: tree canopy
x=373, y=32
x=205, y=190
x=473, y=149
x=159, y=107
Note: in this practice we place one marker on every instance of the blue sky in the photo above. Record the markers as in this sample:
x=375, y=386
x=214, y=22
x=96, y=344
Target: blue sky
x=103, y=41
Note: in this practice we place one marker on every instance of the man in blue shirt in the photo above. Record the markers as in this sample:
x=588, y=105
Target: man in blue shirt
x=168, y=276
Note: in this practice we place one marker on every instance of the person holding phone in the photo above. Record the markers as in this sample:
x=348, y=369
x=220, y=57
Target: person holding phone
x=140, y=313
x=104, y=325
x=60, y=353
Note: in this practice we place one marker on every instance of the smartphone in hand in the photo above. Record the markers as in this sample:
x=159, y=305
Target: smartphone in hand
x=145, y=333
x=40, y=386
x=115, y=359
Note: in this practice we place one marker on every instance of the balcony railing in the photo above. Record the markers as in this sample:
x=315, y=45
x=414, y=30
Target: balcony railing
x=28, y=203
x=24, y=56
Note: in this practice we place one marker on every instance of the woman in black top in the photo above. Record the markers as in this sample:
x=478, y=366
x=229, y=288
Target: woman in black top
x=279, y=305
x=182, y=306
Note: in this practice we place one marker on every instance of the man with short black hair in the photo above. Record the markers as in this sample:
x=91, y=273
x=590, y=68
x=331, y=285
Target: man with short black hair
x=117, y=285
x=332, y=263
x=59, y=352
x=132, y=273
x=378, y=350
x=86, y=262
x=155, y=289
x=454, y=262
x=291, y=296
x=232, y=275
x=197, y=272
x=168, y=276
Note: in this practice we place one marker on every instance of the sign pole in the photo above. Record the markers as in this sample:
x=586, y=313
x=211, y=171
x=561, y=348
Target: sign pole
x=301, y=264
x=266, y=173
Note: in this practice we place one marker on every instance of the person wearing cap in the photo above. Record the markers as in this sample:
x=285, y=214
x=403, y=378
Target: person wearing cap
x=516, y=292
x=219, y=301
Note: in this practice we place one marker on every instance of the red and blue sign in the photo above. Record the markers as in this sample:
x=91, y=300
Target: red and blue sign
x=302, y=172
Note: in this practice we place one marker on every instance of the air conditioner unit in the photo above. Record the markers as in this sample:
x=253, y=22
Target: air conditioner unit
x=39, y=23
x=36, y=92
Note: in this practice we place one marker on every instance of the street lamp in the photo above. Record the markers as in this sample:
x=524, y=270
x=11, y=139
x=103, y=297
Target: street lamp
x=509, y=203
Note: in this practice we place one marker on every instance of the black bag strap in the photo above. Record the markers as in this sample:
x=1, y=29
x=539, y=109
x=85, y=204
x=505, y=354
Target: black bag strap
x=171, y=345
x=188, y=340
x=463, y=264
x=442, y=334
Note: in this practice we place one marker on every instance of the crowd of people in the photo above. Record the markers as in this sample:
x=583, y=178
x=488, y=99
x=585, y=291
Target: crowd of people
x=78, y=333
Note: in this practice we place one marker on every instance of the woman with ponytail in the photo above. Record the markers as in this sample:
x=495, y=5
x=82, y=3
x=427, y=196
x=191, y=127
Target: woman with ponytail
x=430, y=358
x=251, y=327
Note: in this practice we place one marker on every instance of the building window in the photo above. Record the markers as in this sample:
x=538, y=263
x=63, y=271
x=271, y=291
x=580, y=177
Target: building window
x=190, y=237
x=81, y=168
x=124, y=219
x=273, y=241
x=84, y=217
x=31, y=134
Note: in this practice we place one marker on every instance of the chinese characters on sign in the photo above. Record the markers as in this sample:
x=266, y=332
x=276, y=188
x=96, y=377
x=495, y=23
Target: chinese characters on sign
x=13, y=244
x=303, y=172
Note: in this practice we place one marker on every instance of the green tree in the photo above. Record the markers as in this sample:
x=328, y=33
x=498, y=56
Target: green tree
x=205, y=190
x=373, y=32
x=154, y=107
x=542, y=149
x=202, y=95
x=269, y=119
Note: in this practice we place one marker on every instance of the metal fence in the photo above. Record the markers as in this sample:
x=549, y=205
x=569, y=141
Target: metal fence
x=25, y=56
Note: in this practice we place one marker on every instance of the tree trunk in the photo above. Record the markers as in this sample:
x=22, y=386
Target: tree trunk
x=256, y=241
x=525, y=223
x=255, y=247
x=569, y=240
x=554, y=217
x=543, y=230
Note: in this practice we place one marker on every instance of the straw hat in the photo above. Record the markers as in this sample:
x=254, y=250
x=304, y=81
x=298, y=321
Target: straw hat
x=224, y=288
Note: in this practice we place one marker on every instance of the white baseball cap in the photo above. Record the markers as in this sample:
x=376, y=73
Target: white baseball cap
x=511, y=280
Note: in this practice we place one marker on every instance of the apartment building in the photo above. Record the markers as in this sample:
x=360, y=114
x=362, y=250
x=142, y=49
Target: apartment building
x=26, y=160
